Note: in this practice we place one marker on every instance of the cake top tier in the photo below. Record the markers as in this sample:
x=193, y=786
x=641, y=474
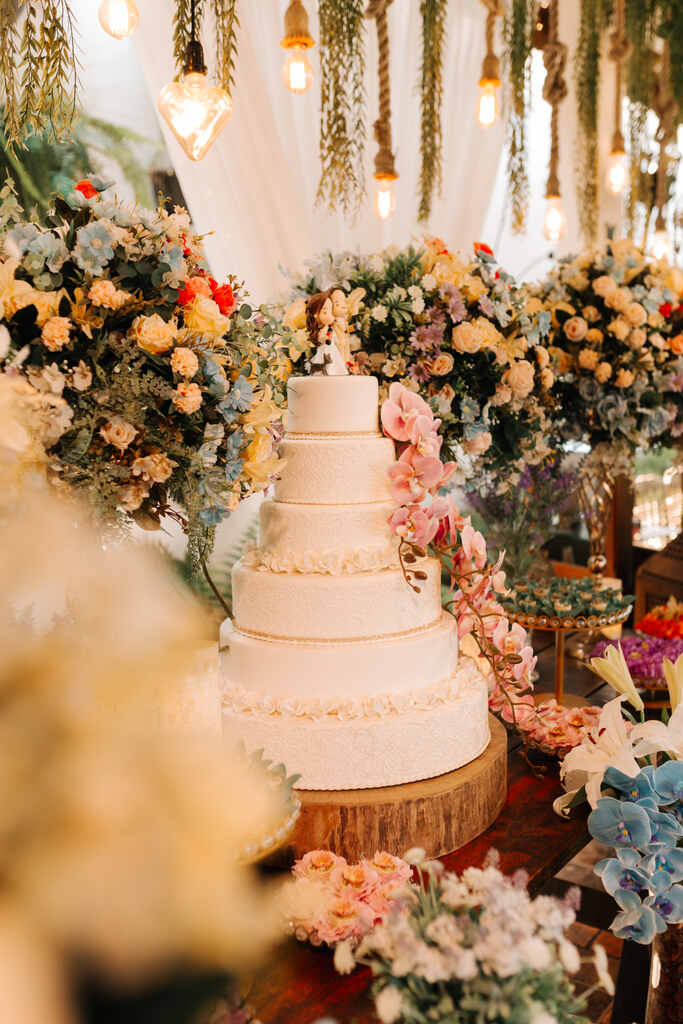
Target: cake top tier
x=332, y=405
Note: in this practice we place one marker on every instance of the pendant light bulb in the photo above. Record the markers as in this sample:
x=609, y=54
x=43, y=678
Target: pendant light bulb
x=555, y=221
x=487, y=107
x=385, y=196
x=297, y=71
x=118, y=18
x=195, y=110
x=660, y=247
x=617, y=172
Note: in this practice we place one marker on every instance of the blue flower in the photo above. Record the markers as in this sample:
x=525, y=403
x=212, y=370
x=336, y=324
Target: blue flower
x=668, y=904
x=173, y=257
x=618, y=823
x=19, y=239
x=633, y=789
x=616, y=875
x=668, y=782
x=242, y=394
x=233, y=462
x=95, y=246
x=631, y=858
x=636, y=921
x=667, y=860
x=664, y=829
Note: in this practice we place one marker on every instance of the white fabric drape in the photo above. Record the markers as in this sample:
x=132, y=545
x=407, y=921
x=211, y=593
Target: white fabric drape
x=256, y=188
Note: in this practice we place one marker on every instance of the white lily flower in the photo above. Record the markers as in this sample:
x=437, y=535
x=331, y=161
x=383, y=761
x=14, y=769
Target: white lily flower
x=673, y=673
x=614, y=670
x=654, y=737
x=602, y=969
x=606, y=744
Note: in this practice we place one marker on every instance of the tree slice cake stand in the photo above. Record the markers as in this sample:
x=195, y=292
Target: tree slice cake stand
x=560, y=626
x=440, y=814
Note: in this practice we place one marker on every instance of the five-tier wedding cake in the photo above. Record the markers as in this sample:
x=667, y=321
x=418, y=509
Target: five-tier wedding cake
x=336, y=665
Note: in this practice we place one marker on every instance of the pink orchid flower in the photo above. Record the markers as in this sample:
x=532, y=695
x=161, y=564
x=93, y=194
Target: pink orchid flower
x=474, y=545
x=424, y=436
x=400, y=411
x=450, y=523
x=413, y=476
x=415, y=524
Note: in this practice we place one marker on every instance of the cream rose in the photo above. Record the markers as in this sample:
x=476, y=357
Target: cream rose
x=155, y=468
x=187, y=398
x=478, y=444
x=547, y=378
x=118, y=433
x=619, y=300
x=184, y=362
x=56, y=333
x=588, y=359
x=603, y=372
x=132, y=495
x=153, y=334
x=636, y=314
x=624, y=379
x=442, y=364
x=204, y=317
x=591, y=314
x=466, y=338
x=520, y=378
x=637, y=338
x=542, y=356
x=502, y=396
x=575, y=328
x=604, y=286
x=620, y=328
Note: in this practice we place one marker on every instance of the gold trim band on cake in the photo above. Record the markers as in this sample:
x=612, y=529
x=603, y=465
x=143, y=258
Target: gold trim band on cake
x=316, y=435
x=331, y=504
x=256, y=635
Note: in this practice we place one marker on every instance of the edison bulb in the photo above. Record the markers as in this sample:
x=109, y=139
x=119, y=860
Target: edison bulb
x=385, y=198
x=297, y=72
x=554, y=222
x=119, y=18
x=487, y=107
x=617, y=171
x=195, y=111
x=660, y=247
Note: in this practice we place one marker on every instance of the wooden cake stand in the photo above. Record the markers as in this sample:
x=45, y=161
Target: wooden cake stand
x=440, y=814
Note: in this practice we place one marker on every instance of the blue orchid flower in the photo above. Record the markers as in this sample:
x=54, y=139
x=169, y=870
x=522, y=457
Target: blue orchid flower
x=667, y=860
x=668, y=904
x=616, y=875
x=665, y=830
x=630, y=858
x=633, y=789
x=636, y=921
x=668, y=782
x=619, y=823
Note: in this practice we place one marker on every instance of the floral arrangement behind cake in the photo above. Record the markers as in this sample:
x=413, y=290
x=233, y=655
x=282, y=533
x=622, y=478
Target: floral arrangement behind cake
x=146, y=380
x=456, y=330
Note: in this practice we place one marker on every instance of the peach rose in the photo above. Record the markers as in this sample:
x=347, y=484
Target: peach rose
x=591, y=314
x=637, y=338
x=187, y=398
x=657, y=340
x=619, y=300
x=105, y=293
x=588, y=359
x=547, y=378
x=542, y=356
x=442, y=364
x=318, y=865
x=603, y=372
x=502, y=396
x=153, y=334
x=46, y=303
x=624, y=379
x=594, y=335
x=676, y=344
x=620, y=328
x=56, y=333
x=155, y=468
x=604, y=286
x=204, y=317
x=118, y=432
x=466, y=338
x=132, y=495
x=520, y=378
x=478, y=444
x=575, y=328
x=636, y=314
x=184, y=362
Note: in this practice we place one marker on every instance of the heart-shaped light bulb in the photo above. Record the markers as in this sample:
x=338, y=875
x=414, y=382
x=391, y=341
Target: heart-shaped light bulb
x=195, y=111
x=119, y=18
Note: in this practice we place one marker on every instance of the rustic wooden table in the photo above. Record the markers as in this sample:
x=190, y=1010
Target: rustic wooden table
x=300, y=984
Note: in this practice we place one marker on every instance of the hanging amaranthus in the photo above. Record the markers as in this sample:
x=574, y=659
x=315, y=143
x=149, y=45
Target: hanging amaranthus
x=433, y=14
x=519, y=25
x=342, y=101
x=594, y=18
x=225, y=28
x=38, y=68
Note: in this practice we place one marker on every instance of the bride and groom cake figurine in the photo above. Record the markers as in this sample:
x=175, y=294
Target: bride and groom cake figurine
x=327, y=316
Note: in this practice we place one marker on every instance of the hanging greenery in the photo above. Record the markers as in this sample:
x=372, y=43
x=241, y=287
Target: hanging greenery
x=595, y=15
x=342, y=102
x=518, y=29
x=225, y=26
x=38, y=68
x=433, y=14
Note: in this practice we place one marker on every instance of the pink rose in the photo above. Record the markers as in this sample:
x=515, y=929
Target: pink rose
x=400, y=411
x=389, y=868
x=575, y=328
x=344, y=918
x=318, y=865
x=355, y=880
x=413, y=476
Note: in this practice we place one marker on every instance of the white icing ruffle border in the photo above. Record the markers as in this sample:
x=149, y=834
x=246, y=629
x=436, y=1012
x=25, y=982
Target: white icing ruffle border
x=331, y=563
x=467, y=677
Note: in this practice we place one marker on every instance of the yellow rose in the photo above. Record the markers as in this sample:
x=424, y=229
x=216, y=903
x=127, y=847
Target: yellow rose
x=153, y=333
x=204, y=317
x=466, y=338
x=520, y=378
x=591, y=314
x=637, y=339
x=624, y=379
x=295, y=315
x=619, y=300
x=473, y=287
x=260, y=461
x=12, y=292
x=604, y=286
x=580, y=282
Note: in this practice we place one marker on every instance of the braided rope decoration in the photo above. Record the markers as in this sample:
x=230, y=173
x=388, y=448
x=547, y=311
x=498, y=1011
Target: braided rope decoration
x=384, y=159
x=554, y=91
x=490, y=70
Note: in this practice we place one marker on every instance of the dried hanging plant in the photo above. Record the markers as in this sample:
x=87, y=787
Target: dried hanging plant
x=594, y=18
x=342, y=102
x=518, y=30
x=225, y=28
x=433, y=14
x=38, y=68
x=641, y=20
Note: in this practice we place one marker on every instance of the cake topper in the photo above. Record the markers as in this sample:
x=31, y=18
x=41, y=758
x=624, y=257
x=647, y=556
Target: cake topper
x=320, y=324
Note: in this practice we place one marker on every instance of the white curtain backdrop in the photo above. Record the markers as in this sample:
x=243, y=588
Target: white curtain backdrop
x=256, y=187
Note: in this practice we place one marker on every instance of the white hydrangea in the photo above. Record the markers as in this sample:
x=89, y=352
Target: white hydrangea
x=428, y=282
x=379, y=313
x=415, y=291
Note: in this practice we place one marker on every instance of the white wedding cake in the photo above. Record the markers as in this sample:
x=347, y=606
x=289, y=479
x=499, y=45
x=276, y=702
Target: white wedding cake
x=336, y=666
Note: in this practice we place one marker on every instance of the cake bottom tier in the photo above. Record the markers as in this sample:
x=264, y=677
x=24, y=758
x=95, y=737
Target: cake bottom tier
x=333, y=753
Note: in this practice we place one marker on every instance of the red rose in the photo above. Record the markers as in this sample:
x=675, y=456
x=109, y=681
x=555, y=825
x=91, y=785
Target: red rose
x=483, y=247
x=86, y=188
x=194, y=286
x=666, y=309
x=224, y=299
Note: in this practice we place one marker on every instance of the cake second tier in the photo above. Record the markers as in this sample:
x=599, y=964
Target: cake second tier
x=360, y=606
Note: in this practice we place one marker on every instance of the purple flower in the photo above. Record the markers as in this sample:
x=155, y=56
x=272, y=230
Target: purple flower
x=426, y=337
x=452, y=296
x=486, y=306
x=419, y=372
